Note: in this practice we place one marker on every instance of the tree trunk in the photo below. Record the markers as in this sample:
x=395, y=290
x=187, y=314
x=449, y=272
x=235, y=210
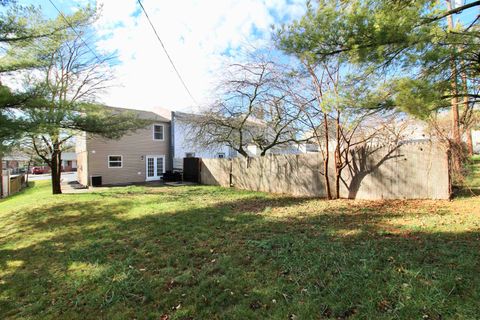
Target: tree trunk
x=325, y=160
x=468, y=130
x=469, y=142
x=56, y=168
x=337, y=185
x=28, y=171
x=338, y=160
x=454, y=101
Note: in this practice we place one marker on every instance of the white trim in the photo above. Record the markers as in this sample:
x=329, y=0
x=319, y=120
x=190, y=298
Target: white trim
x=115, y=155
x=155, y=167
x=163, y=131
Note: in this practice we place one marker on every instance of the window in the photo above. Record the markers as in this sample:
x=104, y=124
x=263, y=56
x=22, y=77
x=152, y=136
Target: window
x=160, y=166
x=115, y=161
x=157, y=132
x=190, y=155
x=220, y=155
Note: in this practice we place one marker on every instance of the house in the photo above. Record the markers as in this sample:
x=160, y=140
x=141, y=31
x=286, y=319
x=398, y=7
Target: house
x=291, y=148
x=69, y=161
x=476, y=141
x=183, y=146
x=15, y=162
x=140, y=156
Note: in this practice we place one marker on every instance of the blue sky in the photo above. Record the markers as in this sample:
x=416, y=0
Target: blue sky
x=200, y=35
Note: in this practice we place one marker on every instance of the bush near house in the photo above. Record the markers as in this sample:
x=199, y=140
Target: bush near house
x=214, y=253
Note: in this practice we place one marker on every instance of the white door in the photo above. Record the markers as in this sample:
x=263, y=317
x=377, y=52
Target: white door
x=155, y=167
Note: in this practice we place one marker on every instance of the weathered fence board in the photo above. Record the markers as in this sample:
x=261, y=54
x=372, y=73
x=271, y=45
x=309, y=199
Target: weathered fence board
x=408, y=171
x=17, y=183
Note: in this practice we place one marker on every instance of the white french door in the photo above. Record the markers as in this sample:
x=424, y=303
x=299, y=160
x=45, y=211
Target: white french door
x=155, y=167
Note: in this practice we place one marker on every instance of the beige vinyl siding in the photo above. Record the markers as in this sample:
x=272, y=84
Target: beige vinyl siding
x=82, y=158
x=133, y=148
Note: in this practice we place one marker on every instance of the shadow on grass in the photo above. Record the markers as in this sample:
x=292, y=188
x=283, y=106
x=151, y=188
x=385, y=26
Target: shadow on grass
x=234, y=260
x=471, y=187
x=466, y=192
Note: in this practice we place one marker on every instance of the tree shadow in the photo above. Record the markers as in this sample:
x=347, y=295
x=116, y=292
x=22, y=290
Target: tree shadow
x=236, y=258
x=362, y=164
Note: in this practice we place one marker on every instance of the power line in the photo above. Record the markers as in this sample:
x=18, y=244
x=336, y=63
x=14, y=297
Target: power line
x=75, y=31
x=166, y=52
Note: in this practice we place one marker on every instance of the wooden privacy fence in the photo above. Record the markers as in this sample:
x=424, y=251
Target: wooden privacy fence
x=17, y=183
x=11, y=184
x=407, y=171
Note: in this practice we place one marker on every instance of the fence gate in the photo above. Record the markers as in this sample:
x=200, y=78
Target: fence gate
x=191, y=169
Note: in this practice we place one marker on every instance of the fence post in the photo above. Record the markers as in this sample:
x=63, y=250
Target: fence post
x=231, y=173
x=8, y=183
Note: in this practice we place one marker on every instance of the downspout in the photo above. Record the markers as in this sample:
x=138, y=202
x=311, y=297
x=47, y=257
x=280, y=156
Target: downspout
x=87, y=165
x=1, y=177
x=172, y=140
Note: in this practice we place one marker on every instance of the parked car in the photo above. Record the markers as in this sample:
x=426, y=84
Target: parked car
x=40, y=170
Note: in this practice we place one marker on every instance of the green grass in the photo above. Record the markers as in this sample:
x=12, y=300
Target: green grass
x=214, y=253
x=473, y=179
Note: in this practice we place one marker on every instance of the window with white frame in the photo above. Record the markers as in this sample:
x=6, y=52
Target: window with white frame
x=220, y=155
x=115, y=161
x=157, y=132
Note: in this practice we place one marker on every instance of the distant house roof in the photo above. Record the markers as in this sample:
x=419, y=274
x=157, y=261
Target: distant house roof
x=187, y=116
x=16, y=157
x=183, y=115
x=142, y=114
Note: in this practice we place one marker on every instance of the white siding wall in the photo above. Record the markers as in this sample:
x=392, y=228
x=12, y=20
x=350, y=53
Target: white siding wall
x=182, y=144
x=476, y=140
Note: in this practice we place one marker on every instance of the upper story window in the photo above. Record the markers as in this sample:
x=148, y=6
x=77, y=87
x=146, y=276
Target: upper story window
x=158, y=132
x=220, y=155
x=115, y=161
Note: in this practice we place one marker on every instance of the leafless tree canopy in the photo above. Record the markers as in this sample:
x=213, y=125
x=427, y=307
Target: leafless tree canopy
x=254, y=107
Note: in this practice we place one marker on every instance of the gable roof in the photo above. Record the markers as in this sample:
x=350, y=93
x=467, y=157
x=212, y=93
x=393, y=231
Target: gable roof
x=142, y=114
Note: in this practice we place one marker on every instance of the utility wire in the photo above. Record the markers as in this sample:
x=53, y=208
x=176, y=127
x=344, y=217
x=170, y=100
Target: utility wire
x=71, y=27
x=166, y=52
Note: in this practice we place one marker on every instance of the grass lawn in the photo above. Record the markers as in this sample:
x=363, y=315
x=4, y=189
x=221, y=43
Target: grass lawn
x=473, y=180
x=214, y=253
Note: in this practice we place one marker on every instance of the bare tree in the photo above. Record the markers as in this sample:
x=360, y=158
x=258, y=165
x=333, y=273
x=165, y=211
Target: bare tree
x=337, y=108
x=253, y=107
x=317, y=98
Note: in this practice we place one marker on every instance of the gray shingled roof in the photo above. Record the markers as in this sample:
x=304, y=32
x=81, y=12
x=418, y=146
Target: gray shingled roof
x=142, y=114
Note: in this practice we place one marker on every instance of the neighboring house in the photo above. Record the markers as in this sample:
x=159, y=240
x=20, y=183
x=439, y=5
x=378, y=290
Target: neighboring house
x=293, y=148
x=182, y=145
x=15, y=162
x=476, y=141
x=69, y=161
x=137, y=157
x=308, y=147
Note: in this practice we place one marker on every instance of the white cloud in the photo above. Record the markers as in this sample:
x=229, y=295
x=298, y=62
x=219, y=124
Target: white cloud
x=196, y=33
